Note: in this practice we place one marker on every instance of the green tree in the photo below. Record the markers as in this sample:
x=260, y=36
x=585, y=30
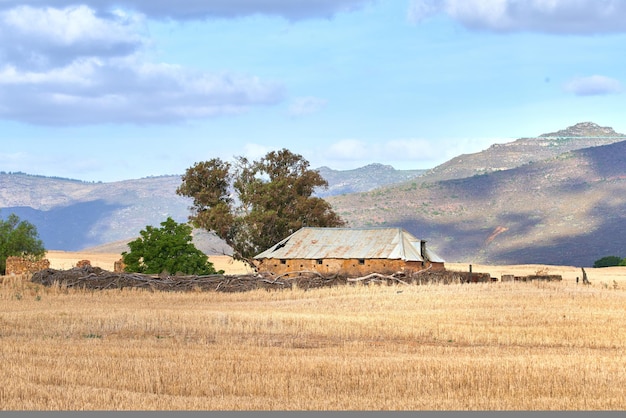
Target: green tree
x=608, y=261
x=254, y=204
x=19, y=238
x=167, y=249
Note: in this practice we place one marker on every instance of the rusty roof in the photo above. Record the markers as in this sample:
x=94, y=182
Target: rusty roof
x=350, y=243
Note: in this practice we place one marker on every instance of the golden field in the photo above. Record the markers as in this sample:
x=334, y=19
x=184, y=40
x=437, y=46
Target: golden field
x=63, y=260
x=483, y=346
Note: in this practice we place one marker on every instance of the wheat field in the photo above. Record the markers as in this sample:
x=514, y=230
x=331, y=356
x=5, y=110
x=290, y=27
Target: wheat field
x=483, y=346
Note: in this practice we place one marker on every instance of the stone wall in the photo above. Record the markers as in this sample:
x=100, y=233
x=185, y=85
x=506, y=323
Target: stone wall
x=348, y=267
x=118, y=266
x=21, y=265
x=83, y=263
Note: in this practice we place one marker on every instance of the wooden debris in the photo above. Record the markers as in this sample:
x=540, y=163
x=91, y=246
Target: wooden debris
x=89, y=277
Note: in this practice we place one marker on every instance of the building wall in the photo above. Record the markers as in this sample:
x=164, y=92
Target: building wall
x=348, y=267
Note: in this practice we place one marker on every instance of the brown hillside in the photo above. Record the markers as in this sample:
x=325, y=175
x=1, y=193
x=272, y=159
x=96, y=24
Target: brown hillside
x=566, y=210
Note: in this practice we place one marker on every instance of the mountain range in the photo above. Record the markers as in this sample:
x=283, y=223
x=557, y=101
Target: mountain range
x=558, y=198
x=74, y=215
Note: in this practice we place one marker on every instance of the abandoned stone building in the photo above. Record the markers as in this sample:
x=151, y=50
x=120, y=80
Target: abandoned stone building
x=348, y=251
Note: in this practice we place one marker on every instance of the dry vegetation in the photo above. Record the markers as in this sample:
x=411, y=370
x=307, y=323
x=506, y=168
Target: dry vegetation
x=486, y=346
x=64, y=260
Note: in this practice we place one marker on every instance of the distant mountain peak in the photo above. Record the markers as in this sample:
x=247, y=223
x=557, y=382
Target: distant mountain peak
x=584, y=129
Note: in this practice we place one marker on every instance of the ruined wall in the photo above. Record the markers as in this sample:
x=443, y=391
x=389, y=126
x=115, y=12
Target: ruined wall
x=20, y=265
x=83, y=263
x=118, y=266
x=347, y=267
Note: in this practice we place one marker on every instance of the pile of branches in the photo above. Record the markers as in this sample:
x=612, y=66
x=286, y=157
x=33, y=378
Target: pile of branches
x=95, y=278
x=424, y=277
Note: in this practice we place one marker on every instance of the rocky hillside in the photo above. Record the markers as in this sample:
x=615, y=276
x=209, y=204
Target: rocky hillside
x=565, y=209
x=524, y=150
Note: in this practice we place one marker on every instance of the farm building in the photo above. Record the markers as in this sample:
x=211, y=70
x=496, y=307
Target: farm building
x=348, y=251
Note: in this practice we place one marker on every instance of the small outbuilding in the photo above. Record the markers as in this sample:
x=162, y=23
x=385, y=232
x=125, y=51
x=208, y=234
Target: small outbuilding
x=349, y=251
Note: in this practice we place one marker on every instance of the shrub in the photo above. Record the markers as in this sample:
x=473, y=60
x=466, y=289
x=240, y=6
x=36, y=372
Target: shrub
x=167, y=249
x=609, y=261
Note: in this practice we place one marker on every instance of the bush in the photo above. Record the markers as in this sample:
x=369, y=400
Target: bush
x=609, y=261
x=167, y=249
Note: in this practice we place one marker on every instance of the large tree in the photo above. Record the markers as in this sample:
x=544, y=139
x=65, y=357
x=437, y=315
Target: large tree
x=18, y=238
x=254, y=204
x=166, y=249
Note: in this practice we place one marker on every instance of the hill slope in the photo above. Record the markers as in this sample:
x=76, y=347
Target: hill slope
x=73, y=215
x=566, y=210
x=523, y=151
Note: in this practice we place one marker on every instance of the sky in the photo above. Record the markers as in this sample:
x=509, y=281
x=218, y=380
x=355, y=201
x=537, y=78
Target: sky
x=109, y=90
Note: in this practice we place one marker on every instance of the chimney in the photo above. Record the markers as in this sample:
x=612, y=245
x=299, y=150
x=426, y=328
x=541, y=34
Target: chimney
x=423, y=250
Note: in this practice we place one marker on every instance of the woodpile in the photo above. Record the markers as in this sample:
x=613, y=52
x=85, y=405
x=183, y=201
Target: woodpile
x=542, y=277
x=88, y=277
x=95, y=278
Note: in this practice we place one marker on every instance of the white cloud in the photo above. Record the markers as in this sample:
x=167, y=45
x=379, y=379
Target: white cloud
x=306, y=106
x=414, y=153
x=73, y=67
x=202, y=9
x=67, y=26
x=549, y=16
x=593, y=85
x=255, y=152
x=126, y=90
x=410, y=149
x=40, y=38
x=399, y=152
x=420, y=10
x=348, y=149
x=65, y=62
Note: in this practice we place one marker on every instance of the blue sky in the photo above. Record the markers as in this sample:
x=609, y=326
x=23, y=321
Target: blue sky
x=106, y=90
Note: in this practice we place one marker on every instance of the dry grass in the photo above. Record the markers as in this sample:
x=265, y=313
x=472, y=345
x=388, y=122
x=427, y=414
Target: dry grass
x=64, y=260
x=491, y=346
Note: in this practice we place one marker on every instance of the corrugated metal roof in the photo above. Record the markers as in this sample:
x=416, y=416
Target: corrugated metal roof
x=350, y=243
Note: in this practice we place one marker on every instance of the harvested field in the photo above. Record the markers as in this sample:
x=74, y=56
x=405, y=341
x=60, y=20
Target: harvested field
x=484, y=346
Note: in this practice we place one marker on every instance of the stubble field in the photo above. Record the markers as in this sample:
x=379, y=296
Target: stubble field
x=484, y=346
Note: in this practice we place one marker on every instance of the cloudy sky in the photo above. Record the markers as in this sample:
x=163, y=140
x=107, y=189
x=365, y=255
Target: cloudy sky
x=105, y=90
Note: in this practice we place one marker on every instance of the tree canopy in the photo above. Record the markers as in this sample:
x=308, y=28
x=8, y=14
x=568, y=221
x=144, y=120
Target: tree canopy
x=167, y=249
x=254, y=204
x=18, y=238
x=609, y=261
